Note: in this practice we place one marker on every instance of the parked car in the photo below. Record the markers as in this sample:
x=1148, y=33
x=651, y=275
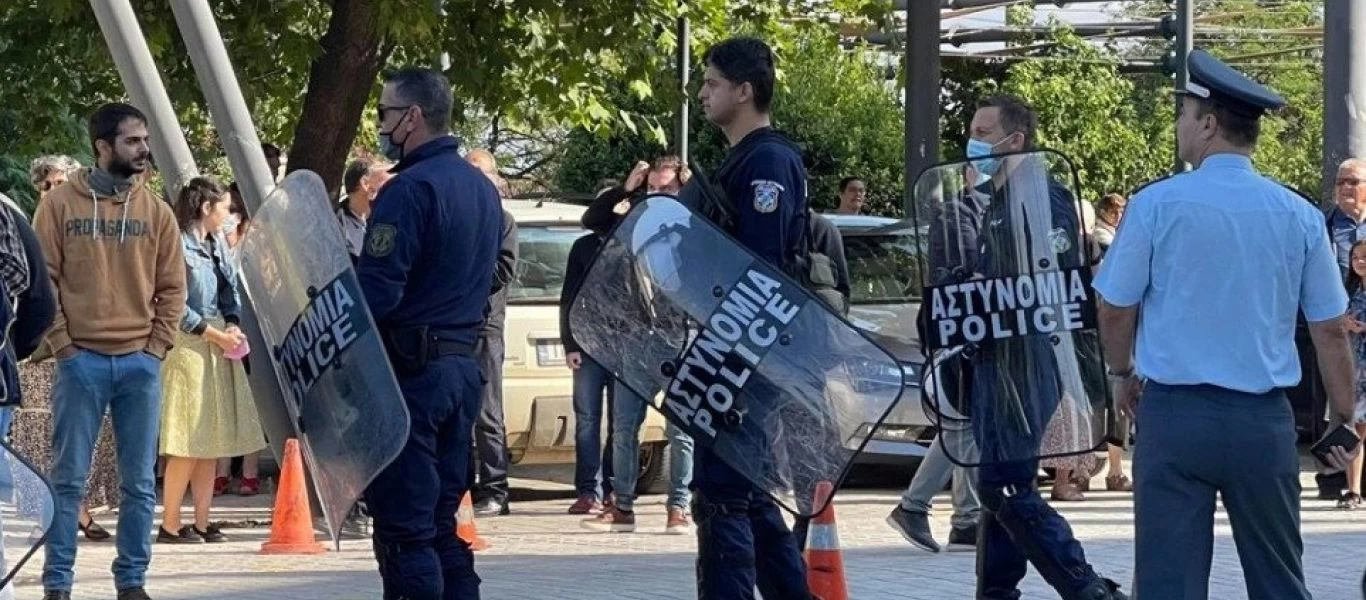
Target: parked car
x=884, y=267
x=538, y=397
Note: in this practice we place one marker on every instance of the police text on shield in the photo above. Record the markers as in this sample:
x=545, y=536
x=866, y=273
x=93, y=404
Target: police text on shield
x=1004, y=307
x=329, y=325
x=728, y=349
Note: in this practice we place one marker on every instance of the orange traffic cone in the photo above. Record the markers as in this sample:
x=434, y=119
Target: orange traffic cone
x=291, y=528
x=824, y=561
x=464, y=525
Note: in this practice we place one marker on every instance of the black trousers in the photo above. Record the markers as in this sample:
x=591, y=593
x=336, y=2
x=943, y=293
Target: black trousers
x=490, y=432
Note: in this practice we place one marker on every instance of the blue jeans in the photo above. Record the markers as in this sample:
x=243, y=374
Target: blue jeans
x=86, y=385
x=414, y=500
x=592, y=458
x=630, y=409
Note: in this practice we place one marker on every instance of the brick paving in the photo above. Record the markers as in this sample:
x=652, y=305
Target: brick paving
x=541, y=552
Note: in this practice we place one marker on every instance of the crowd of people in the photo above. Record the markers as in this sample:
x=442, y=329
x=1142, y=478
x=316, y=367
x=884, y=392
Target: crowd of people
x=144, y=307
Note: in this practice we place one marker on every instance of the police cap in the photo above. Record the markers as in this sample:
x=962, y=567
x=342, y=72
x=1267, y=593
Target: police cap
x=1220, y=84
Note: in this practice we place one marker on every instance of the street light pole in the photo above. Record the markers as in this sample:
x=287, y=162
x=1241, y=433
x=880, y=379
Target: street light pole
x=1344, y=86
x=684, y=76
x=922, y=92
x=226, y=104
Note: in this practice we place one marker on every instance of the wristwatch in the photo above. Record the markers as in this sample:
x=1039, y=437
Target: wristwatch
x=1124, y=374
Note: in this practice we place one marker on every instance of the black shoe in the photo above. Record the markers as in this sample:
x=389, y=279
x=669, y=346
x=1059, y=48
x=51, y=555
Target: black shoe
x=489, y=507
x=136, y=593
x=93, y=531
x=915, y=527
x=963, y=539
x=212, y=535
x=1331, y=486
x=56, y=595
x=186, y=535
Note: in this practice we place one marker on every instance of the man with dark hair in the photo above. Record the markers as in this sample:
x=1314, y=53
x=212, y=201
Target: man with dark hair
x=363, y=179
x=742, y=539
x=853, y=192
x=117, y=314
x=1207, y=366
x=426, y=272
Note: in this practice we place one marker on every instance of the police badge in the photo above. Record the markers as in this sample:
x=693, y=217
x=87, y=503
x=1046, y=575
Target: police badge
x=1060, y=241
x=766, y=195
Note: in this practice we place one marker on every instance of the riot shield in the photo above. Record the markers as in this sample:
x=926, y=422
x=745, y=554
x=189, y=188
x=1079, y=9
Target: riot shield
x=340, y=391
x=1008, y=314
x=26, y=510
x=734, y=352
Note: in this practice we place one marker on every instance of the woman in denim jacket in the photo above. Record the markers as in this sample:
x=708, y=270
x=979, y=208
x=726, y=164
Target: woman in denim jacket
x=207, y=411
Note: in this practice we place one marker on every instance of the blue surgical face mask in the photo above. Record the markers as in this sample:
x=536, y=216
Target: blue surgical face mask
x=978, y=150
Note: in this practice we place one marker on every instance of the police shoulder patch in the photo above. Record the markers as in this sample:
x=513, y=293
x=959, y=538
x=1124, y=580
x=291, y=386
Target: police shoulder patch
x=379, y=243
x=1060, y=241
x=766, y=195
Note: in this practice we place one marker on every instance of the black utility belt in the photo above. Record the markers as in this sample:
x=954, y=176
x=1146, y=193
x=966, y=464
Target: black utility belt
x=411, y=348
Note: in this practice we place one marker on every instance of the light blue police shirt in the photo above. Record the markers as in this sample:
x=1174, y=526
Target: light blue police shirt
x=1221, y=259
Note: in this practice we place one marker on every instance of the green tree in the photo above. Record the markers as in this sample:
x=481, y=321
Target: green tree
x=1086, y=111
x=837, y=106
x=308, y=67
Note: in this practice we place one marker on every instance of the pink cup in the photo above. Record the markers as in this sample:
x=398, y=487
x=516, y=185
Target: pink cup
x=239, y=352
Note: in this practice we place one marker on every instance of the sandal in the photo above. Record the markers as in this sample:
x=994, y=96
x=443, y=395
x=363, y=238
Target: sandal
x=1067, y=492
x=220, y=485
x=93, y=531
x=1118, y=483
x=249, y=486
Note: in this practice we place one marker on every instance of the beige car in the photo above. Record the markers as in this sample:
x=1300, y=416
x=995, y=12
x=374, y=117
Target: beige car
x=538, y=402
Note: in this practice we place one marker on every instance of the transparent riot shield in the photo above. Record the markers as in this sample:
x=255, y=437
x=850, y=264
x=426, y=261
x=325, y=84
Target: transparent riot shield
x=26, y=510
x=1008, y=312
x=738, y=355
x=340, y=390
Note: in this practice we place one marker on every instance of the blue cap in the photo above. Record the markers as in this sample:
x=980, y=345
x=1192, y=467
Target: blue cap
x=1220, y=84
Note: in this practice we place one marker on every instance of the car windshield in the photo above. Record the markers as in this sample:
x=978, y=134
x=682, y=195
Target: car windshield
x=883, y=268
x=542, y=255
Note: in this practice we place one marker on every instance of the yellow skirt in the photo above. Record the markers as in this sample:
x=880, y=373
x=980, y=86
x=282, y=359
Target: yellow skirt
x=206, y=405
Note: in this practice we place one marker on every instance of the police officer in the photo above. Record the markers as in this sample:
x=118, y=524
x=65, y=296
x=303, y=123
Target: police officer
x=426, y=273
x=1017, y=527
x=742, y=540
x=1219, y=261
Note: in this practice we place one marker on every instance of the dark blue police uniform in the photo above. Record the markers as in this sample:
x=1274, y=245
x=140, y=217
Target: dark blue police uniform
x=1018, y=528
x=426, y=269
x=742, y=540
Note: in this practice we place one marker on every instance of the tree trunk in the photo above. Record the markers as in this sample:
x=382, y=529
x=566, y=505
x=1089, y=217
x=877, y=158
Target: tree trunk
x=339, y=84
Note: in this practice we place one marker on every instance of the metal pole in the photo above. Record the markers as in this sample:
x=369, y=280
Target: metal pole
x=140, y=77
x=226, y=104
x=684, y=75
x=243, y=147
x=922, y=92
x=1344, y=86
x=1184, y=40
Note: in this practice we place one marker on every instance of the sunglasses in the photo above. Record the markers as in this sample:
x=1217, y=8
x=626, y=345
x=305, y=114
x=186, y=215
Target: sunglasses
x=1348, y=181
x=383, y=110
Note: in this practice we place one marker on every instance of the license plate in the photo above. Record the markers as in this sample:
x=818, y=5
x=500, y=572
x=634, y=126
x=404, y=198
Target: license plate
x=549, y=353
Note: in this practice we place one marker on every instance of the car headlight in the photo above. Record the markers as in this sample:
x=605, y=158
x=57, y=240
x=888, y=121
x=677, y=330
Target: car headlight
x=912, y=373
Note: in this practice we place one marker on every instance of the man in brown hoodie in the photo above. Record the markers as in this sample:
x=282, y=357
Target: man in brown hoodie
x=114, y=254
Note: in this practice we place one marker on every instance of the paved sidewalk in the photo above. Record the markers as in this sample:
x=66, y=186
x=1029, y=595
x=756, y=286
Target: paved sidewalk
x=541, y=552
